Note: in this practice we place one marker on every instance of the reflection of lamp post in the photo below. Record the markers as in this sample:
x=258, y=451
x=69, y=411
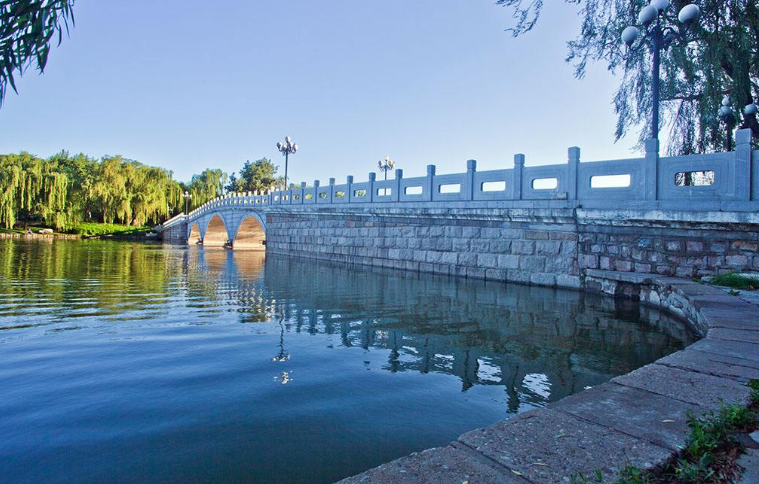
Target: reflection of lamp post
x=386, y=165
x=282, y=355
x=286, y=149
x=186, y=195
x=660, y=38
x=728, y=117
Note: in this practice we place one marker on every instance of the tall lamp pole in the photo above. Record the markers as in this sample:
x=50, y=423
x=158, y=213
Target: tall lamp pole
x=186, y=195
x=658, y=38
x=287, y=148
x=386, y=165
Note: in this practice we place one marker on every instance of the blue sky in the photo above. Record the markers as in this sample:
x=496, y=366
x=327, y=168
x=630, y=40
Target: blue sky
x=190, y=84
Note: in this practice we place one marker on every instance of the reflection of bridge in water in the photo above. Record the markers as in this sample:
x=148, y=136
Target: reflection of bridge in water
x=539, y=344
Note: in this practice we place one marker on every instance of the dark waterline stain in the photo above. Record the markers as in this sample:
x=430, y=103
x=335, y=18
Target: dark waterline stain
x=123, y=362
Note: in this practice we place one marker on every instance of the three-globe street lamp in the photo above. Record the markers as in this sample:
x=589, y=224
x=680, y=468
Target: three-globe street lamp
x=186, y=195
x=287, y=148
x=727, y=116
x=386, y=165
x=660, y=37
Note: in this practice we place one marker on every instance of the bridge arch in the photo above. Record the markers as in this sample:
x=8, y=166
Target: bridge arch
x=195, y=234
x=216, y=234
x=250, y=234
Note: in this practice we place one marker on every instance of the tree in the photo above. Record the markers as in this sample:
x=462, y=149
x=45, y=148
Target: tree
x=721, y=57
x=234, y=185
x=26, y=30
x=206, y=186
x=257, y=176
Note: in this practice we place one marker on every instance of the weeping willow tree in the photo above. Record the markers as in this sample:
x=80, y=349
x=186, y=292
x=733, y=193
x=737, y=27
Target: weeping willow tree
x=206, y=186
x=63, y=190
x=719, y=56
x=10, y=180
x=27, y=28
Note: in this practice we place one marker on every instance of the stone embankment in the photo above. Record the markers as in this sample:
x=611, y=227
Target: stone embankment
x=638, y=419
x=38, y=236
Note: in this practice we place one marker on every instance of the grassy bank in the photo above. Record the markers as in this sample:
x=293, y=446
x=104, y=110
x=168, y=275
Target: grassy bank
x=109, y=230
x=91, y=229
x=736, y=281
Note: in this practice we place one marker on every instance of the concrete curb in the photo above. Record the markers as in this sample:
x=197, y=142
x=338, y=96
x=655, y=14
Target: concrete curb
x=638, y=418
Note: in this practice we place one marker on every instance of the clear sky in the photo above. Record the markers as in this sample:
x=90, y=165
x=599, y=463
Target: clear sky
x=190, y=84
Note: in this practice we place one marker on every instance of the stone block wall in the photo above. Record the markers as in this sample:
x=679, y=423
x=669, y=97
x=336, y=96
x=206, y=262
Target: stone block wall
x=669, y=245
x=546, y=245
x=539, y=247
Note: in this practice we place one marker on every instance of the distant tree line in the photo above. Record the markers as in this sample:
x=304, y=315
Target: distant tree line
x=64, y=190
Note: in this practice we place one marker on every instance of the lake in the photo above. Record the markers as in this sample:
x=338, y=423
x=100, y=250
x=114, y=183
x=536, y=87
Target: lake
x=131, y=362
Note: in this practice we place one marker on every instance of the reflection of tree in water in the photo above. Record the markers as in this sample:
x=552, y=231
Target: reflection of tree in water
x=86, y=278
x=538, y=343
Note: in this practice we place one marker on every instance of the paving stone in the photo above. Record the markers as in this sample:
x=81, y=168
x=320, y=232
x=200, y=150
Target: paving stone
x=742, y=335
x=446, y=465
x=548, y=446
x=716, y=364
x=736, y=349
x=648, y=416
x=750, y=464
x=745, y=317
x=707, y=391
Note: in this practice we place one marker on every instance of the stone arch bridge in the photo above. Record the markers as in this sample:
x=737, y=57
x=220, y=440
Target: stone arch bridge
x=238, y=227
x=552, y=225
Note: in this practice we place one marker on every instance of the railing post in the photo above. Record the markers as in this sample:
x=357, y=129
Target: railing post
x=316, y=191
x=573, y=168
x=396, y=190
x=370, y=195
x=471, y=168
x=430, y=182
x=518, y=175
x=349, y=182
x=651, y=170
x=331, y=190
x=741, y=175
x=302, y=193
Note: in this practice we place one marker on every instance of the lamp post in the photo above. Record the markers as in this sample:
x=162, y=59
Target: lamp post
x=728, y=117
x=386, y=165
x=186, y=195
x=287, y=148
x=659, y=37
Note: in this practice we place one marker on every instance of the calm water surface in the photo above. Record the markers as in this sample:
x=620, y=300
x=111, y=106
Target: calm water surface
x=125, y=362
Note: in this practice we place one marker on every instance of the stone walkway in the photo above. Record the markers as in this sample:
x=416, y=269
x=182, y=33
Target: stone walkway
x=639, y=418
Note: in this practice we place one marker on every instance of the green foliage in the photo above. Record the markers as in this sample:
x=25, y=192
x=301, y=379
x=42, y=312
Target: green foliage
x=206, y=186
x=707, y=436
x=90, y=229
x=633, y=475
x=64, y=190
x=695, y=472
x=712, y=430
x=721, y=56
x=26, y=30
x=754, y=388
x=736, y=281
x=258, y=176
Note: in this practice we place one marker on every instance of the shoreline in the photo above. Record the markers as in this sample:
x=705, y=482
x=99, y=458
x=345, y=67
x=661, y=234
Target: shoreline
x=639, y=418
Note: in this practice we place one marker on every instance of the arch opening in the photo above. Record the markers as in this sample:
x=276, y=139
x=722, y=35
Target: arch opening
x=194, y=236
x=250, y=235
x=216, y=233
